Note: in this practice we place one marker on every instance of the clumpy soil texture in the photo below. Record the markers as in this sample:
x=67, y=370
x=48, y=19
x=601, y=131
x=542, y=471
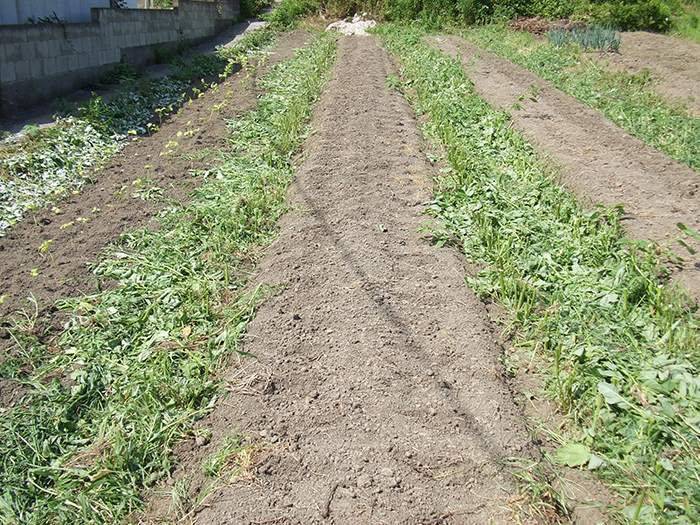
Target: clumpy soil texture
x=377, y=376
x=599, y=161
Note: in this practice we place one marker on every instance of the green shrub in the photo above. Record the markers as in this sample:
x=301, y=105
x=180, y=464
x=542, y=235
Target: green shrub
x=650, y=15
x=288, y=12
x=628, y=15
x=252, y=8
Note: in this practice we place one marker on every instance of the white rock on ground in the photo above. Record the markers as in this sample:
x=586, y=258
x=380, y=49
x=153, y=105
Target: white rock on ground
x=358, y=26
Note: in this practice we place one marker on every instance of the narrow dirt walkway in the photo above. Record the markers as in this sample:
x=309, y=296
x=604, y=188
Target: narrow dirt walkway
x=377, y=382
x=601, y=162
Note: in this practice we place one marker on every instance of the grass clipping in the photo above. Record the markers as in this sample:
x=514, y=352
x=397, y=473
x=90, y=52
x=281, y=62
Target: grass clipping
x=140, y=363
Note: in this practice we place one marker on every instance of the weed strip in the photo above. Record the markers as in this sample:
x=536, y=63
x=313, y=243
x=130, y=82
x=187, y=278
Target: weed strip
x=138, y=364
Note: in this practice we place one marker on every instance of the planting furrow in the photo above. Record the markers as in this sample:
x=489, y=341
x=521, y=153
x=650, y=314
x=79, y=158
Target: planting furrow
x=377, y=395
x=599, y=161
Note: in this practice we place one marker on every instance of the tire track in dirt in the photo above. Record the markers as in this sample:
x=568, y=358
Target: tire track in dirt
x=600, y=162
x=377, y=383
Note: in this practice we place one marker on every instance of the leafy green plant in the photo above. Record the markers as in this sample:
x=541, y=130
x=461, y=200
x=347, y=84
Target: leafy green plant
x=647, y=15
x=287, y=13
x=252, y=8
x=602, y=38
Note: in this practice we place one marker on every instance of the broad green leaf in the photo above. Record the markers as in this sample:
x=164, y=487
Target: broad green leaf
x=610, y=394
x=573, y=455
x=595, y=462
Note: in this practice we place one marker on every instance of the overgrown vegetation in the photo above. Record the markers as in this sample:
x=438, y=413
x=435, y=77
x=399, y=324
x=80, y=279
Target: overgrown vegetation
x=647, y=15
x=621, y=345
x=253, y=8
x=140, y=362
x=624, y=98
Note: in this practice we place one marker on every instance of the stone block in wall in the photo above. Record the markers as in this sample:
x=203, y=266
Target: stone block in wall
x=93, y=59
x=62, y=64
x=13, y=52
x=28, y=51
x=54, y=48
x=7, y=72
x=50, y=67
x=13, y=35
x=42, y=49
x=22, y=71
x=95, y=44
x=36, y=69
x=77, y=45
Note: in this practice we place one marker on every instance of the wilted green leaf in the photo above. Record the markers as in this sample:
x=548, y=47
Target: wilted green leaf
x=610, y=394
x=595, y=462
x=573, y=455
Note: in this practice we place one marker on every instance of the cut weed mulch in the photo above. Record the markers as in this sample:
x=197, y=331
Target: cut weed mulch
x=138, y=362
x=50, y=254
x=617, y=346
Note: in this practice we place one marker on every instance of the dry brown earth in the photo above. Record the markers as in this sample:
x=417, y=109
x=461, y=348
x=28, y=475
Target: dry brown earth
x=377, y=375
x=673, y=63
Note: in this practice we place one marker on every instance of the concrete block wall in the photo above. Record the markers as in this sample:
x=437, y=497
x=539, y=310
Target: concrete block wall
x=41, y=62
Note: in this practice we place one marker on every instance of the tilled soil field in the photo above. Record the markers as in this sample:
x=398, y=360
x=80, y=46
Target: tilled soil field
x=377, y=375
x=377, y=395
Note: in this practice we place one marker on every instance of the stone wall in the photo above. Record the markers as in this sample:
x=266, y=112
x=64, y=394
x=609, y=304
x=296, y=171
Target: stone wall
x=40, y=62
